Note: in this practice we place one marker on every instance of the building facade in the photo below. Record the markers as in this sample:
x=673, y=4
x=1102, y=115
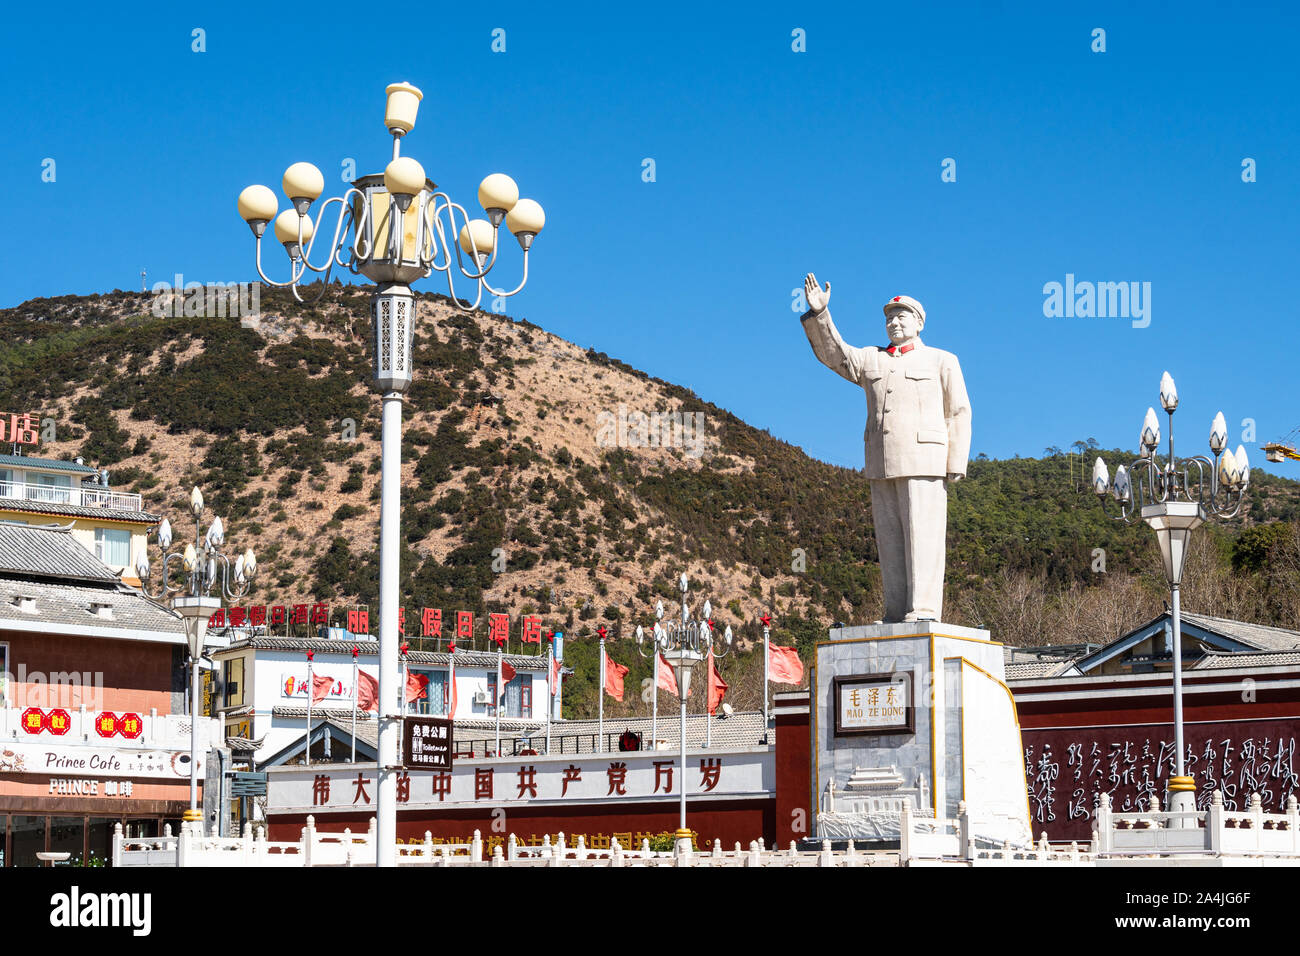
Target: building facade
x=261, y=688
x=94, y=728
x=1092, y=720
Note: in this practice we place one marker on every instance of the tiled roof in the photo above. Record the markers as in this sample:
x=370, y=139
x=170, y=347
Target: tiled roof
x=76, y=511
x=520, y=662
x=71, y=604
x=1020, y=670
x=48, y=552
x=1221, y=661
x=509, y=725
x=741, y=729
x=242, y=745
x=1262, y=636
x=1048, y=660
x=333, y=713
x=54, y=464
x=579, y=736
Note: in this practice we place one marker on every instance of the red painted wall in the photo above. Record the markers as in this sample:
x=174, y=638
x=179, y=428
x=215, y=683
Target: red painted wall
x=793, y=770
x=135, y=675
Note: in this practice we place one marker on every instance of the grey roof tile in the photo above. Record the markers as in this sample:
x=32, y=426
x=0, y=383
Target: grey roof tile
x=54, y=464
x=70, y=604
x=1020, y=670
x=741, y=729
x=1222, y=661
x=76, y=511
x=1262, y=636
x=48, y=552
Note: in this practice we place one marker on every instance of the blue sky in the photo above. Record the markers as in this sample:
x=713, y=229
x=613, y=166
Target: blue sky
x=1117, y=166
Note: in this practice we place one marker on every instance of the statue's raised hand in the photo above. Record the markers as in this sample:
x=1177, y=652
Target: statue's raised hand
x=812, y=292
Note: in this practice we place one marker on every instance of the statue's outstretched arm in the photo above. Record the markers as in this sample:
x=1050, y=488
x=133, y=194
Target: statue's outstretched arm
x=831, y=350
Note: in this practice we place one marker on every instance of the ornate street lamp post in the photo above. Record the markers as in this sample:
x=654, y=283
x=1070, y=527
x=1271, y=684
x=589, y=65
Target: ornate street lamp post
x=684, y=644
x=1174, y=502
x=393, y=229
x=200, y=567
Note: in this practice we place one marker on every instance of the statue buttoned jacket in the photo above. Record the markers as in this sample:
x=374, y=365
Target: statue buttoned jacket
x=918, y=413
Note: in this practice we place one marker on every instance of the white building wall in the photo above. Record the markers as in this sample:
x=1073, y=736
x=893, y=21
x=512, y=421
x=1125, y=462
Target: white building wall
x=269, y=675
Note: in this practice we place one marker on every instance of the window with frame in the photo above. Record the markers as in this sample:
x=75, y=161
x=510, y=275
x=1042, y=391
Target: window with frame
x=437, y=695
x=519, y=696
x=52, y=488
x=233, y=681
x=113, y=546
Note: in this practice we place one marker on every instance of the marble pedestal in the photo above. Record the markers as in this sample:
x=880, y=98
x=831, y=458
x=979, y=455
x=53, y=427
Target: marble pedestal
x=915, y=714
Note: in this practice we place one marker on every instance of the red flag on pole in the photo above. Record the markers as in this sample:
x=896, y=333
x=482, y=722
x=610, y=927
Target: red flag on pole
x=417, y=687
x=507, y=674
x=321, y=685
x=783, y=665
x=614, y=674
x=717, y=686
x=367, y=691
x=667, y=680
x=555, y=675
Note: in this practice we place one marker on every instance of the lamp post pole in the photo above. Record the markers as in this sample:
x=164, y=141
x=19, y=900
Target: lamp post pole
x=389, y=726
x=1175, y=502
x=393, y=229
x=684, y=645
x=194, y=720
x=201, y=566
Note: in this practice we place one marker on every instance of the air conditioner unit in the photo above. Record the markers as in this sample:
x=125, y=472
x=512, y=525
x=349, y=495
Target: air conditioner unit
x=482, y=697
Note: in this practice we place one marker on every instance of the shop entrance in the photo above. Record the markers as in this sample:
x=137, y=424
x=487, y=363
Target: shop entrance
x=88, y=840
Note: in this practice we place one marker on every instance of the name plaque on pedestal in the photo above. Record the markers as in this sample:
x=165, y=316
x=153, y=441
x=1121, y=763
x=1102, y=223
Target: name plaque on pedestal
x=874, y=704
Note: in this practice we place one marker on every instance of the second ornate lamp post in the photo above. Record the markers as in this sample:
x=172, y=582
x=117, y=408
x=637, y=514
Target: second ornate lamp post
x=684, y=644
x=201, y=566
x=391, y=229
x=1174, y=502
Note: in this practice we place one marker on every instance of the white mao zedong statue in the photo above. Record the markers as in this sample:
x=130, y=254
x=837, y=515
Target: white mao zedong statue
x=917, y=440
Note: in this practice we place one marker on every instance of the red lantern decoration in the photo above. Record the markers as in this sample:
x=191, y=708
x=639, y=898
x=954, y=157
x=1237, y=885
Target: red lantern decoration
x=106, y=724
x=33, y=720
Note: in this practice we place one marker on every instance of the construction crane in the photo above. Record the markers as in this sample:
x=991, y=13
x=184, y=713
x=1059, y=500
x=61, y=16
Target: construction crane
x=1285, y=448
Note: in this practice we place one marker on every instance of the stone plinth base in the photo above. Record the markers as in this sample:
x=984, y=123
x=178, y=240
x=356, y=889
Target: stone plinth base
x=915, y=715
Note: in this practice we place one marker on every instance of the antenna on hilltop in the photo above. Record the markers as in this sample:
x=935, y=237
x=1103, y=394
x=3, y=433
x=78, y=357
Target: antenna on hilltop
x=142, y=275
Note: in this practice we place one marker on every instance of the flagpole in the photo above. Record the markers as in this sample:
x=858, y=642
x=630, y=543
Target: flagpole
x=550, y=690
x=355, y=686
x=654, y=705
x=452, y=702
x=708, y=705
x=311, y=692
x=401, y=757
x=766, y=672
x=600, y=718
x=496, y=705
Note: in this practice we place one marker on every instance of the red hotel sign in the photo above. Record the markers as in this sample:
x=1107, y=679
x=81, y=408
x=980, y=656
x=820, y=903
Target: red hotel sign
x=20, y=429
x=358, y=621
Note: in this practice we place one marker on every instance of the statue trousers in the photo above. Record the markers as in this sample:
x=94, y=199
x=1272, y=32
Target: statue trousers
x=911, y=520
